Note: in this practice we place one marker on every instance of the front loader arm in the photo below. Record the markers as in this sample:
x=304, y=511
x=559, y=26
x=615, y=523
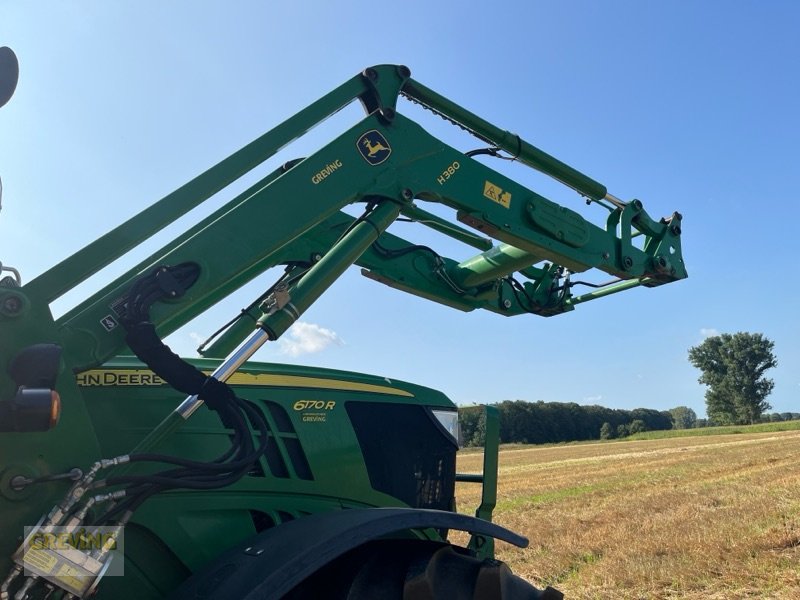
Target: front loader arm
x=293, y=217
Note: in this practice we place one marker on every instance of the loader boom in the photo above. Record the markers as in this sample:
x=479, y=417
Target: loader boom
x=293, y=215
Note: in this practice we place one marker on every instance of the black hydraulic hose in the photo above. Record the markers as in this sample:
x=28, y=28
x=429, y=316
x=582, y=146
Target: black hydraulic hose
x=198, y=483
x=236, y=414
x=167, y=282
x=205, y=466
x=195, y=471
x=203, y=476
x=132, y=502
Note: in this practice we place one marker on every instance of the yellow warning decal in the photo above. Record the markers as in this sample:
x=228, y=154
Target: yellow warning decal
x=144, y=377
x=42, y=560
x=496, y=194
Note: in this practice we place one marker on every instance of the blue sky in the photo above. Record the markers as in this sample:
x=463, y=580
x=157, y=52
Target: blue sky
x=689, y=106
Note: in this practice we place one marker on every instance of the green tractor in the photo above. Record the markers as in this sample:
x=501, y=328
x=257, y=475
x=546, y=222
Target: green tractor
x=127, y=472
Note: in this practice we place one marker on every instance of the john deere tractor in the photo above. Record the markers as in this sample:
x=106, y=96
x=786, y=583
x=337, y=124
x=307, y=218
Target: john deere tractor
x=127, y=472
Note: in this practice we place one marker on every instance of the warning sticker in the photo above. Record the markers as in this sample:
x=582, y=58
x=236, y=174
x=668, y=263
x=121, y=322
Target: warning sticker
x=496, y=194
x=109, y=323
x=39, y=560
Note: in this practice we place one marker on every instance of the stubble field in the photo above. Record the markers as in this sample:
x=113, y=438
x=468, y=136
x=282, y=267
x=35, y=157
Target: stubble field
x=706, y=517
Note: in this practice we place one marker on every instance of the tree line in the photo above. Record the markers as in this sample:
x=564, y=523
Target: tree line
x=732, y=368
x=551, y=422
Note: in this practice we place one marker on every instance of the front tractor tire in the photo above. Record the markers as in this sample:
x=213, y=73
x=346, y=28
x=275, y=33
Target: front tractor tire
x=416, y=570
x=362, y=554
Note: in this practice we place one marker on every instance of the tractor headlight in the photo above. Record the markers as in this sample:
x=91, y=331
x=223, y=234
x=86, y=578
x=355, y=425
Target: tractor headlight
x=448, y=419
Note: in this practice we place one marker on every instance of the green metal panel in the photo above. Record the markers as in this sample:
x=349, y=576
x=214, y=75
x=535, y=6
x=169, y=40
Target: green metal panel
x=124, y=401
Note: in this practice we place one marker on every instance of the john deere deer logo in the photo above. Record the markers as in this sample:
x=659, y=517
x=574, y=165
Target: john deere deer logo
x=372, y=150
x=374, y=147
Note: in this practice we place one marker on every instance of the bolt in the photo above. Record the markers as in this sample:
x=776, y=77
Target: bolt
x=316, y=257
x=675, y=229
x=506, y=303
x=371, y=74
x=19, y=482
x=388, y=113
x=12, y=305
x=661, y=264
x=627, y=262
x=407, y=194
x=637, y=204
x=606, y=255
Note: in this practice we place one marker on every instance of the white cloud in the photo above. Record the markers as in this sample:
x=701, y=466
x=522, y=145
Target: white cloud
x=307, y=338
x=593, y=398
x=708, y=332
x=197, y=338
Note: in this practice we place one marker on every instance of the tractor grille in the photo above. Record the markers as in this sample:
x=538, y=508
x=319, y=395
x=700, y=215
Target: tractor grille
x=406, y=454
x=284, y=457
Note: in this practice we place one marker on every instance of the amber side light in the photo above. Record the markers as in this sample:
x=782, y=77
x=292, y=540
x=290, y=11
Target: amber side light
x=55, y=408
x=30, y=410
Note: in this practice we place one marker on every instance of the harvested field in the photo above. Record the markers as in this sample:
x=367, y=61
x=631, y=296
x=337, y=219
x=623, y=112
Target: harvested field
x=702, y=517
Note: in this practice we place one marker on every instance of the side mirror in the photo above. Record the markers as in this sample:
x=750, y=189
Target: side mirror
x=9, y=74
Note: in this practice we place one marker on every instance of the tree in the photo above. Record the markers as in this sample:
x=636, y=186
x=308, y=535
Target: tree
x=606, y=432
x=637, y=426
x=479, y=437
x=683, y=417
x=733, y=368
x=468, y=418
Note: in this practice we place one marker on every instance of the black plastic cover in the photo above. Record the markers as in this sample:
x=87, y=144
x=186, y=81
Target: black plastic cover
x=36, y=366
